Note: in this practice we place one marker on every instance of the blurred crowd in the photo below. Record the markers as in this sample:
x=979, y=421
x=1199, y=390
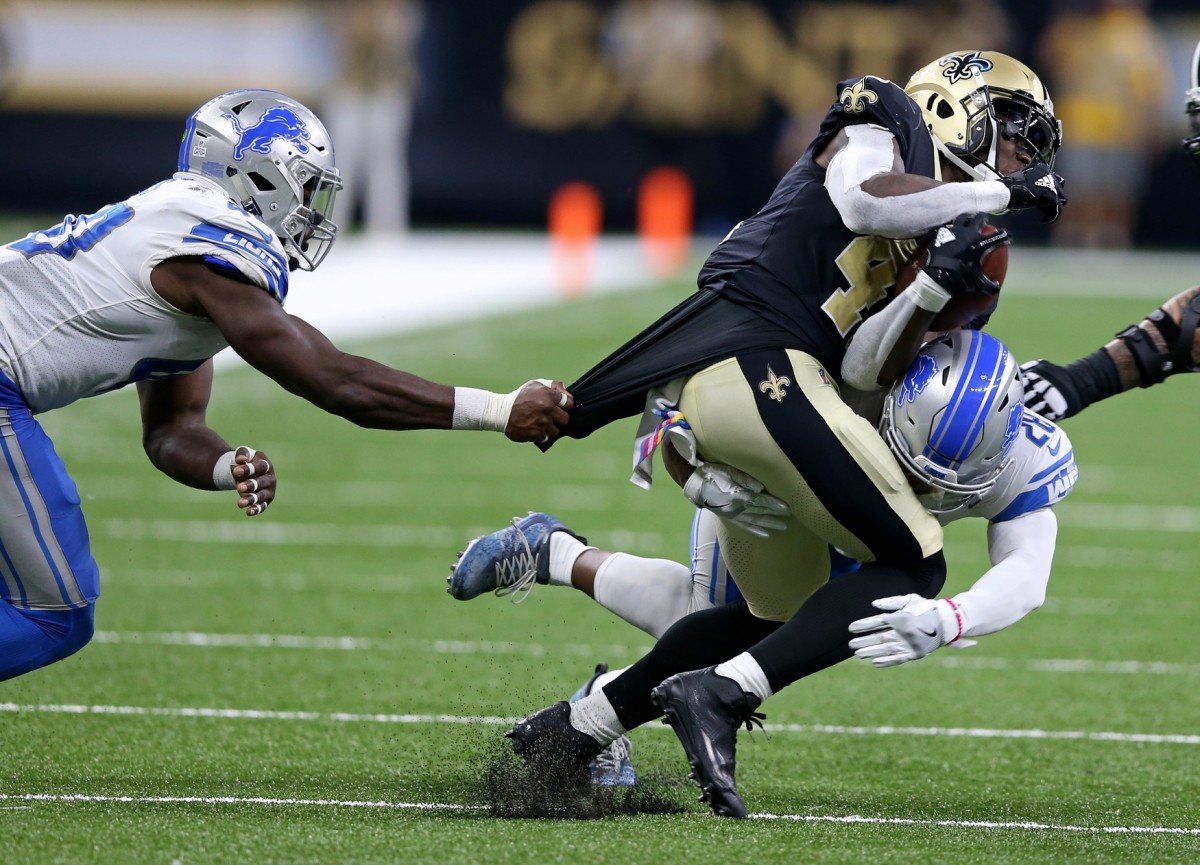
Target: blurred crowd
x=680, y=70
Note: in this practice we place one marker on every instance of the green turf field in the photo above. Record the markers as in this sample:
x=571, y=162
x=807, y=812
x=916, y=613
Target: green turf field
x=299, y=687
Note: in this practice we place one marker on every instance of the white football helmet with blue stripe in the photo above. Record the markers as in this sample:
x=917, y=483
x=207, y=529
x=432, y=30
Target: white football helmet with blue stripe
x=951, y=420
x=275, y=159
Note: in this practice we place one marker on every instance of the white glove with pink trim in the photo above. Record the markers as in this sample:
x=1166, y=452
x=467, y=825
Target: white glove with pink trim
x=910, y=628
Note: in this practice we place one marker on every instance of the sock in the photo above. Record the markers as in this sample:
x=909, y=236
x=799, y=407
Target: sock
x=595, y=716
x=565, y=548
x=748, y=674
x=651, y=594
x=696, y=641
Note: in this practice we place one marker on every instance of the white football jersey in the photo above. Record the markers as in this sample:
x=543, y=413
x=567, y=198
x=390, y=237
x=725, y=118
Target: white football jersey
x=78, y=315
x=1042, y=473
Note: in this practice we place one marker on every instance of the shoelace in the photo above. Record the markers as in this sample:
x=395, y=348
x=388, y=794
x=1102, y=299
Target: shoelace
x=755, y=718
x=516, y=574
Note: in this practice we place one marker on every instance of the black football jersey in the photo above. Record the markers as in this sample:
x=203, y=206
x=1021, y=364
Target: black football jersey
x=794, y=263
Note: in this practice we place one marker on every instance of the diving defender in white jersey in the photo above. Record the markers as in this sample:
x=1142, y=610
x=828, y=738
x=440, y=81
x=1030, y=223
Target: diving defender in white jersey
x=1011, y=469
x=147, y=291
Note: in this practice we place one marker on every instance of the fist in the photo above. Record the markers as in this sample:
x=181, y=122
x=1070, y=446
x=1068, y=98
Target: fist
x=539, y=411
x=255, y=477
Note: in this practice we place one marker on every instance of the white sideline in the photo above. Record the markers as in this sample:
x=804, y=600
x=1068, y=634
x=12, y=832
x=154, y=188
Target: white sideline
x=492, y=720
x=444, y=806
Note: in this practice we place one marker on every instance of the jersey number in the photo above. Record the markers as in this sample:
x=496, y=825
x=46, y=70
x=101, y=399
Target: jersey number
x=75, y=233
x=869, y=265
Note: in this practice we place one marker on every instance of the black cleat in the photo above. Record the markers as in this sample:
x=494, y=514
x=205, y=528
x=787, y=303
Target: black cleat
x=705, y=711
x=548, y=743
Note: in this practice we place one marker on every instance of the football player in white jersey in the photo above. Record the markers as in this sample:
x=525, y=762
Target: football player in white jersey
x=1017, y=466
x=1165, y=343
x=148, y=290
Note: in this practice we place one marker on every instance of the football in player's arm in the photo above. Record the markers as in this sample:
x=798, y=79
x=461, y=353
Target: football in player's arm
x=148, y=290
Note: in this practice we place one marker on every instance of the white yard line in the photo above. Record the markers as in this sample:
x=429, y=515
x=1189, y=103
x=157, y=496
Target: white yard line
x=492, y=720
x=856, y=819
x=197, y=639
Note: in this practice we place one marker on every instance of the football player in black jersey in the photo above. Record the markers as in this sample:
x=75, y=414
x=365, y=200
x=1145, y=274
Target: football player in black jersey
x=795, y=300
x=1163, y=344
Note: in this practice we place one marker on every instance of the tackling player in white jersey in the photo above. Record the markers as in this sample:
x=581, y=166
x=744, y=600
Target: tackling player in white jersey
x=1009, y=467
x=148, y=290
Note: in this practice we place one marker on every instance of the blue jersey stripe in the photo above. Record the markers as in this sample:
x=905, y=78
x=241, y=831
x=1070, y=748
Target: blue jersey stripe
x=33, y=522
x=1070, y=457
x=961, y=424
x=273, y=266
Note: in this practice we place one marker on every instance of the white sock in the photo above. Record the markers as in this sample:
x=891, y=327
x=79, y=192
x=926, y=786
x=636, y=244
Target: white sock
x=564, y=550
x=651, y=594
x=748, y=674
x=594, y=715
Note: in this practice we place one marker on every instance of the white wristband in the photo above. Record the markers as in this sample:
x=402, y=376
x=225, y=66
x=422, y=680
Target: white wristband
x=223, y=478
x=482, y=409
x=926, y=294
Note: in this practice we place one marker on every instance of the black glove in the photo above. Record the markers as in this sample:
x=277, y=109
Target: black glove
x=1050, y=390
x=956, y=253
x=1037, y=186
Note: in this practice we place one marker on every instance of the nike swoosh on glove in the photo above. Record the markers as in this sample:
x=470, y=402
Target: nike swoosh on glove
x=910, y=628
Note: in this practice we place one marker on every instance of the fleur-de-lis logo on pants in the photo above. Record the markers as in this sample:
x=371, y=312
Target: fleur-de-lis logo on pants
x=855, y=98
x=774, y=385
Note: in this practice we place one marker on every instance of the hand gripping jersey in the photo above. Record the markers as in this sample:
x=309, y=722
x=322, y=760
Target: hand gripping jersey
x=791, y=276
x=78, y=315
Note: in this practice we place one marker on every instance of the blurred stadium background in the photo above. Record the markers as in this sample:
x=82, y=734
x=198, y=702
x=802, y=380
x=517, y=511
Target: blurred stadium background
x=293, y=691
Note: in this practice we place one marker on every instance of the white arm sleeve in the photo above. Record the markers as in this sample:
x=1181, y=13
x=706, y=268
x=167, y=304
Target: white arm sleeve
x=872, y=342
x=870, y=151
x=1021, y=551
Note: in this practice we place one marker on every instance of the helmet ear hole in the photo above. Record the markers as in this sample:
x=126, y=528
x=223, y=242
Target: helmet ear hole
x=260, y=183
x=944, y=110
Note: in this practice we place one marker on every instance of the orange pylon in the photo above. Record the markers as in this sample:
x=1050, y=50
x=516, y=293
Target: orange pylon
x=665, y=220
x=576, y=214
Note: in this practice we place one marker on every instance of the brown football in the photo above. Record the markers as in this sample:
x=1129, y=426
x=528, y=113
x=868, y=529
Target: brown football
x=964, y=308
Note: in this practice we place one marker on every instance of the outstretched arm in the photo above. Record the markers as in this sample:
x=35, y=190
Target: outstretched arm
x=911, y=627
x=302, y=360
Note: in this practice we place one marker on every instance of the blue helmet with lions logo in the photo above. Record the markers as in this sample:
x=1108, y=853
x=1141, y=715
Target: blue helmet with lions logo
x=973, y=99
x=952, y=418
x=275, y=159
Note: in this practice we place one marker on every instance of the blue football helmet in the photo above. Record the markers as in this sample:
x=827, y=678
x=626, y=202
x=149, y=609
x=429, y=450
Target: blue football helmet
x=953, y=417
x=275, y=159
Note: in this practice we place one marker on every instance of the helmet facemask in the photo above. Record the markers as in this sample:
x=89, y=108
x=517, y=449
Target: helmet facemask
x=973, y=100
x=274, y=157
x=1191, y=144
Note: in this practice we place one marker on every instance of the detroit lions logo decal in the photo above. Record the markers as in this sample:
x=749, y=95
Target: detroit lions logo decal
x=276, y=124
x=960, y=67
x=856, y=98
x=915, y=381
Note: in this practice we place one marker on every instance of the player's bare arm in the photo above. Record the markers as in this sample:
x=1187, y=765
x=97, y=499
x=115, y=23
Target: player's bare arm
x=302, y=360
x=180, y=444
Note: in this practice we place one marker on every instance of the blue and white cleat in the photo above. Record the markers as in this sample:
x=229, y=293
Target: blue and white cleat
x=611, y=767
x=507, y=562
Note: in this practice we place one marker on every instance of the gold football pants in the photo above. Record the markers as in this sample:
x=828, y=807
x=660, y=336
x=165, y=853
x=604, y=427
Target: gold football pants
x=777, y=415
